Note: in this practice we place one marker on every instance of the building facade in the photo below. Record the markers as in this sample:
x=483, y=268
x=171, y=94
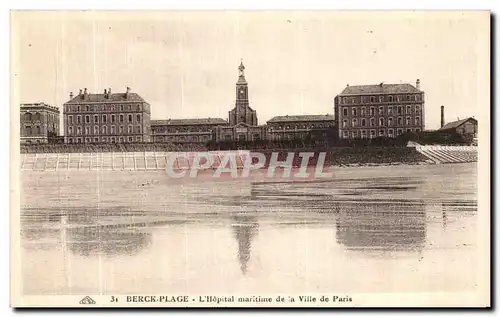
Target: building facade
x=39, y=123
x=107, y=118
x=300, y=127
x=384, y=110
x=185, y=130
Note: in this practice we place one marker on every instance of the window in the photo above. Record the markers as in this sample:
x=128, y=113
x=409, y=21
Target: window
x=138, y=129
x=344, y=100
x=372, y=99
x=130, y=130
x=138, y=107
x=354, y=122
x=87, y=140
x=121, y=129
x=129, y=118
x=112, y=118
x=70, y=130
x=408, y=130
x=390, y=132
x=344, y=111
x=79, y=130
x=87, y=108
x=287, y=126
x=121, y=108
x=389, y=122
x=400, y=110
x=96, y=119
x=380, y=110
x=345, y=134
x=417, y=120
x=354, y=112
x=372, y=111
x=400, y=131
x=381, y=121
x=139, y=139
x=104, y=139
x=104, y=118
x=104, y=129
x=381, y=132
x=363, y=122
x=380, y=99
x=87, y=130
x=78, y=119
x=96, y=140
x=113, y=129
x=417, y=109
x=121, y=118
x=372, y=134
x=138, y=118
x=70, y=119
x=417, y=97
x=121, y=139
x=400, y=121
x=354, y=134
x=390, y=98
x=408, y=109
x=78, y=109
x=389, y=110
x=417, y=130
x=96, y=129
x=362, y=111
x=363, y=134
x=408, y=121
x=87, y=119
x=372, y=122
x=70, y=140
x=344, y=123
x=112, y=139
x=131, y=139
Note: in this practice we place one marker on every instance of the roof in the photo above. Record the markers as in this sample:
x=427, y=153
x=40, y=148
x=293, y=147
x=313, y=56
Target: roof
x=380, y=89
x=39, y=105
x=456, y=124
x=189, y=121
x=132, y=97
x=302, y=118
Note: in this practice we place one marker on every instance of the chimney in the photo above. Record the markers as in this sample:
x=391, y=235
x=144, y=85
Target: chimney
x=442, y=116
x=105, y=94
x=70, y=95
x=80, y=93
x=127, y=93
x=418, y=84
x=85, y=93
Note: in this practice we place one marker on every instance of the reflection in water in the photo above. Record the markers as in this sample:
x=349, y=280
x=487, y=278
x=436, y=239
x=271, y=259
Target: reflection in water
x=245, y=227
x=91, y=241
x=382, y=226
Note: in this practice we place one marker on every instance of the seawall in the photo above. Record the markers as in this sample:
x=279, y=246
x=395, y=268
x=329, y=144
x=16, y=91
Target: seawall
x=141, y=161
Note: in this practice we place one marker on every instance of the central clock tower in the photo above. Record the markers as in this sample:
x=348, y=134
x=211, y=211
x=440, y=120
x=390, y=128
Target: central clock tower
x=242, y=113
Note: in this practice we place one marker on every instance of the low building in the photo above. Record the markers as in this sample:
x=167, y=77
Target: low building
x=107, y=118
x=185, y=130
x=39, y=123
x=300, y=127
x=467, y=128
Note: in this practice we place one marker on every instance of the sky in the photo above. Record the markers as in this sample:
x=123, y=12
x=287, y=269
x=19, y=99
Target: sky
x=185, y=64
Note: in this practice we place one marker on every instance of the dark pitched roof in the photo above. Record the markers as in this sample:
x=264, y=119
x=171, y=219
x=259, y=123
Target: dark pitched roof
x=189, y=121
x=379, y=89
x=132, y=97
x=456, y=124
x=302, y=118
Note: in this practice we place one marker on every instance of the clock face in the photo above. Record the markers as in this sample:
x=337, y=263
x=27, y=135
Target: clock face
x=241, y=92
